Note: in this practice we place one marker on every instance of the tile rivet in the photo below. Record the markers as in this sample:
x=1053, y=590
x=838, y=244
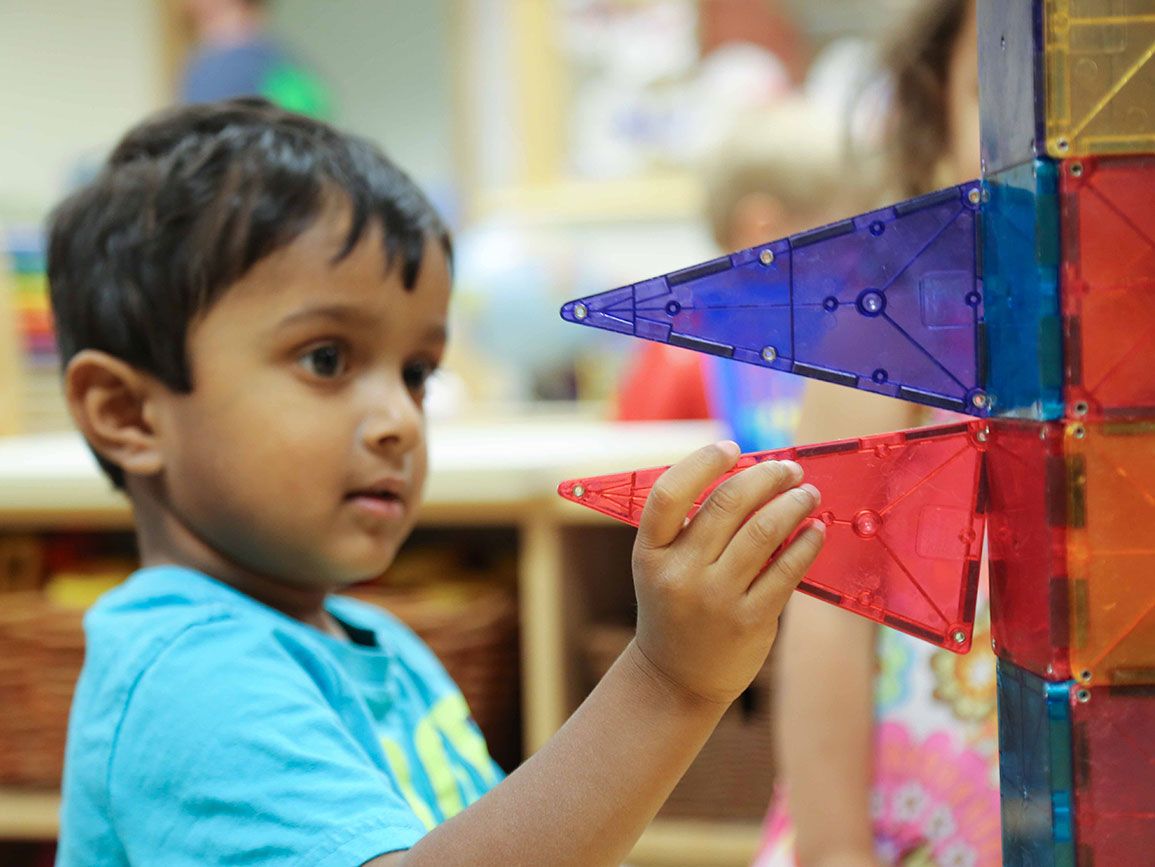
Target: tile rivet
x=766, y=257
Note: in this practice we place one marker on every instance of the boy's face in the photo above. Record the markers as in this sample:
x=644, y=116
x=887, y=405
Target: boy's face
x=299, y=456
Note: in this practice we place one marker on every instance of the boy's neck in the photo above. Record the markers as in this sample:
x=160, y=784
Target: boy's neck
x=163, y=540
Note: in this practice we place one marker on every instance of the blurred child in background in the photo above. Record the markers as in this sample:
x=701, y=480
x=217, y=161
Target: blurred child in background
x=237, y=54
x=916, y=781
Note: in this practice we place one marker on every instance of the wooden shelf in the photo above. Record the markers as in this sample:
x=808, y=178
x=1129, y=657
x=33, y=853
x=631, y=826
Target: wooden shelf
x=674, y=843
x=26, y=815
x=35, y=816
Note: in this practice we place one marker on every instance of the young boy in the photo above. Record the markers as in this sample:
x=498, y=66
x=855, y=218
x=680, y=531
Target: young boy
x=249, y=304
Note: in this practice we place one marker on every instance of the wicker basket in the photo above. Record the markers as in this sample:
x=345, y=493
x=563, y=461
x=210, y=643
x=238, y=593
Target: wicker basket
x=41, y=651
x=473, y=632
x=732, y=779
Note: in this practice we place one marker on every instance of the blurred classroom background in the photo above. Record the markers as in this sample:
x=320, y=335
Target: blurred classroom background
x=567, y=142
x=573, y=146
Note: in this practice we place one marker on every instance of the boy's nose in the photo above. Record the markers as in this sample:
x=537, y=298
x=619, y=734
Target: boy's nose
x=394, y=423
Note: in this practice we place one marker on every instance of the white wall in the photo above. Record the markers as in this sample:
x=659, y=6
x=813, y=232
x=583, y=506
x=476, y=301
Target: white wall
x=74, y=75
x=388, y=64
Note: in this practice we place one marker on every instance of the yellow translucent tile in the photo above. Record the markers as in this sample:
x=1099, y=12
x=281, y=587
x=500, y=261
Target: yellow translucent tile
x=1111, y=551
x=1100, y=72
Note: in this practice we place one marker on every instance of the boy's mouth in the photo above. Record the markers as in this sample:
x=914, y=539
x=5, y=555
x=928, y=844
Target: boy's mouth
x=383, y=500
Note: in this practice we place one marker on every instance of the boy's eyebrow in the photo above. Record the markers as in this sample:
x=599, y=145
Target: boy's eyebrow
x=348, y=314
x=341, y=313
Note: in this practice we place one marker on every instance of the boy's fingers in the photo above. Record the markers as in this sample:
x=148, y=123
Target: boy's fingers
x=678, y=488
x=767, y=529
x=778, y=580
x=715, y=527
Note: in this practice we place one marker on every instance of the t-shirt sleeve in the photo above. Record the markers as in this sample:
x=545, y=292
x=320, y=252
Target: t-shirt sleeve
x=232, y=750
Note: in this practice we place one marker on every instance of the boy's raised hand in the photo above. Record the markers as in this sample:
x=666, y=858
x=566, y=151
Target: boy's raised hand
x=709, y=596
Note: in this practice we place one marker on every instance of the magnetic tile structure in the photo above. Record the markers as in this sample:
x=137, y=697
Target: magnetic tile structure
x=904, y=514
x=1026, y=299
x=1067, y=91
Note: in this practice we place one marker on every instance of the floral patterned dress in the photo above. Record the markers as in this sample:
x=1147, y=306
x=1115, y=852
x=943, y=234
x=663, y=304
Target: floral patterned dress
x=935, y=798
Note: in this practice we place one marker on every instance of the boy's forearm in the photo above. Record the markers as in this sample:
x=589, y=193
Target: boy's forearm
x=586, y=796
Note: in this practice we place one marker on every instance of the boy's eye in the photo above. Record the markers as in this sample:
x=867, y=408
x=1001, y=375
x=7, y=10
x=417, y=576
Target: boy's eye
x=326, y=361
x=417, y=374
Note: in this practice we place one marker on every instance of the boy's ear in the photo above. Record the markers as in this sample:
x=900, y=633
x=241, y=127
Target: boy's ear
x=110, y=403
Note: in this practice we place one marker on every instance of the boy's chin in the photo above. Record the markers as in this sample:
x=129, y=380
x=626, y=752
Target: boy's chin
x=360, y=571
x=332, y=570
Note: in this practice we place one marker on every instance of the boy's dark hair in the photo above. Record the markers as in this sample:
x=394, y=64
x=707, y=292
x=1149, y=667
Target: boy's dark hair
x=188, y=202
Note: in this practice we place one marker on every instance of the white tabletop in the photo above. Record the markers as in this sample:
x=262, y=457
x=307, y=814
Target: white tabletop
x=471, y=462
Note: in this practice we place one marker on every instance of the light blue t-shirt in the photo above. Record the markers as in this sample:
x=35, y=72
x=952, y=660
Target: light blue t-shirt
x=208, y=728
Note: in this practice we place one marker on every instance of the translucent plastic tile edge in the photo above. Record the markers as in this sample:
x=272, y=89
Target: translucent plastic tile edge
x=1041, y=799
x=1010, y=83
x=1021, y=247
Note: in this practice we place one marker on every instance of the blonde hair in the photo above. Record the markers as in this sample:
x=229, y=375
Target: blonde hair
x=792, y=151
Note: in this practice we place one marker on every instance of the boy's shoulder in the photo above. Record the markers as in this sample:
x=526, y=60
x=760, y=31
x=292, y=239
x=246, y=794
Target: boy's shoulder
x=175, y=649
x=170, y=624
x=161, y=609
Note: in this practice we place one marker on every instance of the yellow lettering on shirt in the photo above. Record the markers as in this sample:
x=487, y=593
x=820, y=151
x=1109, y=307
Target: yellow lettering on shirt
x=448, y=721
x=400, y=767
